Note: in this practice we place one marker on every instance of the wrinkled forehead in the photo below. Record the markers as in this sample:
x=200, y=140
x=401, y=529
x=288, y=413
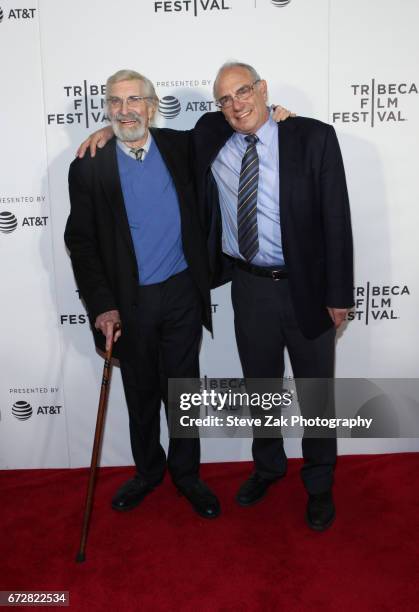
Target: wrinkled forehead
x=132, y=87
x=231, y=79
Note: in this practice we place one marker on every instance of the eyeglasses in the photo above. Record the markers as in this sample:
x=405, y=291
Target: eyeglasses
x=132, y=101
x=241, y=94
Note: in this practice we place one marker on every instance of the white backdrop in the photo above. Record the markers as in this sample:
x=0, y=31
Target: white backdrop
x=351, y=64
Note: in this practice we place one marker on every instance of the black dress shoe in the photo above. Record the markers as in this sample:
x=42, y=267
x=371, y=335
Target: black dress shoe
x=320, y=511
x=131, y=494
x=201, y=498
x=253, y=490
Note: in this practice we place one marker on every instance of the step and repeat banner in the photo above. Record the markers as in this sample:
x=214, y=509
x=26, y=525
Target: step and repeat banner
x=354, y=65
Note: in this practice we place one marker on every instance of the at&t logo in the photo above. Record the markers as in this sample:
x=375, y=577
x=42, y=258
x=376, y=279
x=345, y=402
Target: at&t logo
x=280, y=2
x=8, y=222
x=22, y=410
x=18, y=13
x=169, y=107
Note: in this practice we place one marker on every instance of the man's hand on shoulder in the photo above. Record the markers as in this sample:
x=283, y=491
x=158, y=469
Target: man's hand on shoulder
x=97, y=139
x=338, y=315
x=105, y=323
x=279, y=113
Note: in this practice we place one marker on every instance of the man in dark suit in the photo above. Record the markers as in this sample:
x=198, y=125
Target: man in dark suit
x=278, y=222
x=139, y=258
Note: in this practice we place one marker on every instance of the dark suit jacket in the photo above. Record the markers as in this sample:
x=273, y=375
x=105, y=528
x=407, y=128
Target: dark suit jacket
x=314, y=214
x=99, y=239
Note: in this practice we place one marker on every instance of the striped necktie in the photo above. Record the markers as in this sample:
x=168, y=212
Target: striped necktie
x=247, y=224
x=138, y=154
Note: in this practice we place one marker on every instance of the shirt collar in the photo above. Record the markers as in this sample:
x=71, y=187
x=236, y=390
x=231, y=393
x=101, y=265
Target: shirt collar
x=126, y=148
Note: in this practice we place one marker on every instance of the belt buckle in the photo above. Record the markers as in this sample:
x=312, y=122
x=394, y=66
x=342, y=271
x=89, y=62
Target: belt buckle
x=276, y=275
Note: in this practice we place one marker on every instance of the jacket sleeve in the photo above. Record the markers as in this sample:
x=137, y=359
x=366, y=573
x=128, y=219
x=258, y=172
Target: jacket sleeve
x=81, y=239
x=336, y=225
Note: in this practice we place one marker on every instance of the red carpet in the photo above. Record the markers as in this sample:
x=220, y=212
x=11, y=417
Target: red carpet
x=163, y=557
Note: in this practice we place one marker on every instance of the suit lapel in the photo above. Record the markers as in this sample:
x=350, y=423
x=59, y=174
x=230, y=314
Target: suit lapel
x=178, y=171
x=216, y=139
x=288, y=153
x=111, y=183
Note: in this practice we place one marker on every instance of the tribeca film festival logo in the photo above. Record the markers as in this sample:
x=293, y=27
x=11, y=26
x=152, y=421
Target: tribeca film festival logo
x=376, y=103
x=17, y=13
x=9, y=222
x=82, y=318
x=376, y=302
x=190, y=6
x=203, y=6
x=85, y=105
x=74, y=319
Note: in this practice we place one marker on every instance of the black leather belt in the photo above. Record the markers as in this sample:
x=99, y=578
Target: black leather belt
x=277, y=273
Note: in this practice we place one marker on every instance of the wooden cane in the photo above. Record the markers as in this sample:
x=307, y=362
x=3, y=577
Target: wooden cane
x=100, y=420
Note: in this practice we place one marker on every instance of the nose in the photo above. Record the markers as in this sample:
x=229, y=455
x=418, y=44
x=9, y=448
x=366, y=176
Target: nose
x=124, y=107
x=237, y=104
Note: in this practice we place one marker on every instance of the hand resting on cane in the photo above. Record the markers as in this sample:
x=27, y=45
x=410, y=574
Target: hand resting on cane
x=106, y=322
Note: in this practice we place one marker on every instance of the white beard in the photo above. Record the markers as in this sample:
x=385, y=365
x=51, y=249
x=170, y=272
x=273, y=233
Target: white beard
x=128, y=134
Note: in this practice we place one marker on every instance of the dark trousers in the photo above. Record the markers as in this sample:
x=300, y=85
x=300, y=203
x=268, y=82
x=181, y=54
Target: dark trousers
x=170, y=330
x=265, y=324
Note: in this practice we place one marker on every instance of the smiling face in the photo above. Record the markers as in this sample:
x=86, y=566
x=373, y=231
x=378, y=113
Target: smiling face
x=244, y=116
x=130, y=120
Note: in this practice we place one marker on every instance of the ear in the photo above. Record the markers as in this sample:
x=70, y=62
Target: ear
x=263, y=88
x=151, y=110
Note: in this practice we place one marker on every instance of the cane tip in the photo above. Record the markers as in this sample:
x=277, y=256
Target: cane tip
x=81, y=557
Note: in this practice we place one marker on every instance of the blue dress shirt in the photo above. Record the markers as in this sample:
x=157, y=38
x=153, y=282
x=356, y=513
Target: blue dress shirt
x=226, y=170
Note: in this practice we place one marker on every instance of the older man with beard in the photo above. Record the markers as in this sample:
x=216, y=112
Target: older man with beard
x=140, y=259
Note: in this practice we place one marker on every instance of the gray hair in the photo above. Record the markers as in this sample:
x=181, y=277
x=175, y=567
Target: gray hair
x=132, y=75
x=234, y=64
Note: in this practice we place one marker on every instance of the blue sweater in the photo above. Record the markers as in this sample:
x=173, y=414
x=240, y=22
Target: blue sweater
x=153, y=214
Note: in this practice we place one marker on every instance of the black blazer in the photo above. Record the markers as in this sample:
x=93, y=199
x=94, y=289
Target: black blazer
x=99, y=238
x=314, y=214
